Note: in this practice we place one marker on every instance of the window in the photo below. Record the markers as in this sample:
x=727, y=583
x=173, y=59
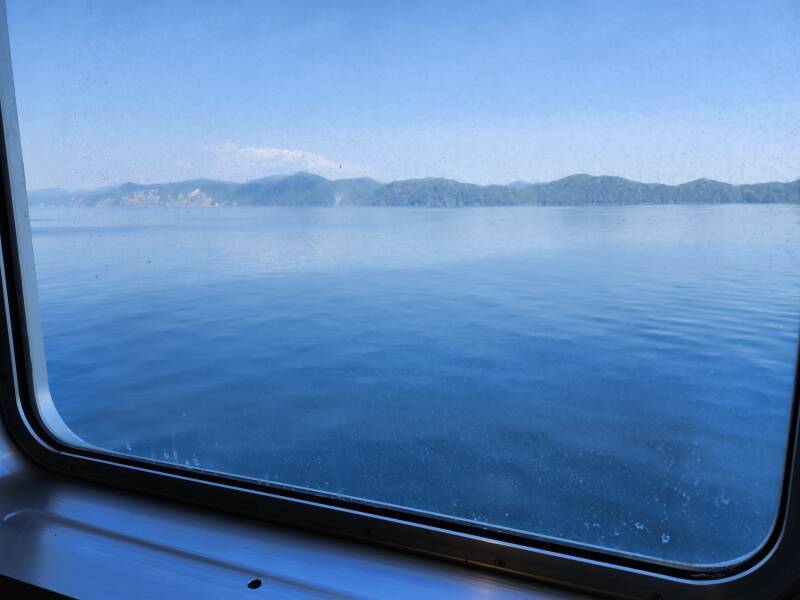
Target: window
x=349, y=255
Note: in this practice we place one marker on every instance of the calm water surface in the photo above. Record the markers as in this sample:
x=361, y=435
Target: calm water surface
x=614, y=376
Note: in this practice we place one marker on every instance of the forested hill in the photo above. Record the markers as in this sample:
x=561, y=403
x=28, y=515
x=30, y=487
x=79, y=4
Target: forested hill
x=305, y=189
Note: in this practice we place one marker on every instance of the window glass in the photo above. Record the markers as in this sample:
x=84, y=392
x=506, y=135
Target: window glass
x=533, y=266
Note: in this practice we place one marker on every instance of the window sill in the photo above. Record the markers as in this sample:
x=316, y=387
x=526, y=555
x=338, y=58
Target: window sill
x=88, y=541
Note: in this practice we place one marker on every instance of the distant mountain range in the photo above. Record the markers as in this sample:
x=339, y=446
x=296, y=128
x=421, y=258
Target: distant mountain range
x=305, y=189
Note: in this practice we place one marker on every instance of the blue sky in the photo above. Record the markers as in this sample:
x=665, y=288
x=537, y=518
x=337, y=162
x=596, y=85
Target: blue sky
x=111, y=91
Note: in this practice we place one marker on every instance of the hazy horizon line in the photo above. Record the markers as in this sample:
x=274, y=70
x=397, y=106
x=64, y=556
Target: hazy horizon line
x=386, y=182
